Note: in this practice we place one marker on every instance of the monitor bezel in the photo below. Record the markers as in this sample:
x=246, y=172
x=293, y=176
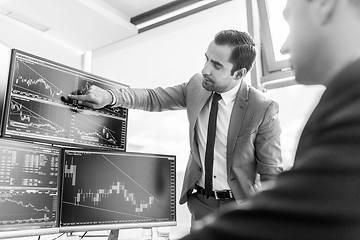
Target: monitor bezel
x=29, y=232
x=96, y=227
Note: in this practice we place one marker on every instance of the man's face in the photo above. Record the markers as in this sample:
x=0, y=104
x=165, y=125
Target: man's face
x=303, y=41
x=217, y=69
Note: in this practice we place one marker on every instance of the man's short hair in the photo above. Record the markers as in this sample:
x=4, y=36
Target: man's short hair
x=244, y=52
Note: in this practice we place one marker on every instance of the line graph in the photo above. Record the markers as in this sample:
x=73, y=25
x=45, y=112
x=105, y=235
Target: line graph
x=31, y=93
x=27, y=206
x=37, y=117
x=38, y=106
x=96, y=130
x=90, y=126
x=41, y=80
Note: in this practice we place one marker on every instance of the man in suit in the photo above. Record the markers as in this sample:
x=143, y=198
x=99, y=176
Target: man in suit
x=247, y=135
x=319, y=197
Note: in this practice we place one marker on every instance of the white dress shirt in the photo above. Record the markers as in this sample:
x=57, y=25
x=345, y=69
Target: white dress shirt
x=222, y=126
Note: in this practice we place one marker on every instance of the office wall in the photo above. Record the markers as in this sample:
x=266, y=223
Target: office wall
x=166, y=56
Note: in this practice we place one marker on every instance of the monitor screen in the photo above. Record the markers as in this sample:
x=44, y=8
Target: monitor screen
x=29, y=185
x=104, y=189
x=37, y=107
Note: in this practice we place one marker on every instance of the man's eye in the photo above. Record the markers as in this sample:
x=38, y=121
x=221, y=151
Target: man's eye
x=217, y=67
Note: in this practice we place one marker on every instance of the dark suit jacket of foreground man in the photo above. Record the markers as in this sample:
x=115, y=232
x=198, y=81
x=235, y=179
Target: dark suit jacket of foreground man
x=320, y=197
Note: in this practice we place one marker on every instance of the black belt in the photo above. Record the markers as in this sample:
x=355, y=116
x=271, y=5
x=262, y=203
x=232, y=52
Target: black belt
x=219, y=195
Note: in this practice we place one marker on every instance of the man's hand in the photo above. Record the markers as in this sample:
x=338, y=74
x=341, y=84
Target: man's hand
x=94, y=97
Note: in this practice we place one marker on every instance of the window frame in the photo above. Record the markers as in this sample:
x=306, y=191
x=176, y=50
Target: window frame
x=275, y=73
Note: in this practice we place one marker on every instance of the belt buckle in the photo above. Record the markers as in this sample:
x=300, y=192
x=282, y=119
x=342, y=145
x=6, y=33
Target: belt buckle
x=222, y=191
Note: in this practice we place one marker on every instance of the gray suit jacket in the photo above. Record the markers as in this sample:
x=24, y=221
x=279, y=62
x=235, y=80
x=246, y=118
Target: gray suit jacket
x=253, y=145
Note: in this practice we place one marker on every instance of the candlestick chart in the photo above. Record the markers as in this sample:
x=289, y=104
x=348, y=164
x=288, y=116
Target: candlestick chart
x=114, y=187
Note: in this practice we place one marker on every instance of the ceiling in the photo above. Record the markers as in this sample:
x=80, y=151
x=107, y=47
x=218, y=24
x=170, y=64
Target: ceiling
x=85, y=24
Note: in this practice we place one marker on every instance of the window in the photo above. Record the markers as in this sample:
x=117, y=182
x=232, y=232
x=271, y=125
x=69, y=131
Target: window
x=273, y=33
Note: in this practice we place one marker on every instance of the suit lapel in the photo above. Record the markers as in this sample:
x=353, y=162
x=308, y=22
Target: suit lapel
x=199, y=103
x=236, y=121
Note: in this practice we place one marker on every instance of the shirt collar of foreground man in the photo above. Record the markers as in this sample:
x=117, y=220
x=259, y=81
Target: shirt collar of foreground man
x=319, y=197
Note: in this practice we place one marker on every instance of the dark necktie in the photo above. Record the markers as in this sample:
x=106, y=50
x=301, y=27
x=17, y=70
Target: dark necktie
x=210, y=143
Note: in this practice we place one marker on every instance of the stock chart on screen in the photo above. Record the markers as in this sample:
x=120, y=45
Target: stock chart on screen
x=117, y=188
x=29, y=184
x=37, y=106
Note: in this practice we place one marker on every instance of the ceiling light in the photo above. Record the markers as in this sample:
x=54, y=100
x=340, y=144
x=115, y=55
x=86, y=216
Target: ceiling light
x=171, y=12
x=27, y=21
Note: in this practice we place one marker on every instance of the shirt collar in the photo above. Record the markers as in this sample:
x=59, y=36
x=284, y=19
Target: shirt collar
x=230, y=95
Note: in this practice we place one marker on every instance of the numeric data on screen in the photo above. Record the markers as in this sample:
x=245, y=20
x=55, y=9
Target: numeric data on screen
x=28, y=184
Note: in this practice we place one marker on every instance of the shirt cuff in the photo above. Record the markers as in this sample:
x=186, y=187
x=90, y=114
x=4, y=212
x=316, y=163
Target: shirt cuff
x=113, y=101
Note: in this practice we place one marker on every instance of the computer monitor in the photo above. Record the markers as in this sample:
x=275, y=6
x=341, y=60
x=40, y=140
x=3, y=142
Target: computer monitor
x=116, y=190
x=37, y=108
x=29, y=186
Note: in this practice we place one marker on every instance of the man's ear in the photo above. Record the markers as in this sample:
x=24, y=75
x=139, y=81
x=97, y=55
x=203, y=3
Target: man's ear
x=239, y=74
x=325, y=9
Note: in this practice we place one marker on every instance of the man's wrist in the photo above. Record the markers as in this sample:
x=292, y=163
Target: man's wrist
x=113, y=98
